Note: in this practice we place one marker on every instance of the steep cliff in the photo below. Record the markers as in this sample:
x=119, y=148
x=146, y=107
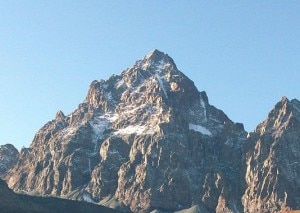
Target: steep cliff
x=273, y=161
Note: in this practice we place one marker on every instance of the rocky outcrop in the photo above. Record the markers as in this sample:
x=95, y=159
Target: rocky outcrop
x=8, y=158
x=273, y=161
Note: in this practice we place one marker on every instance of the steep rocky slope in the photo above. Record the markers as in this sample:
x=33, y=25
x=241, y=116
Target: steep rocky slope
x=273, y=161
x=8, y=158
x=146, y=139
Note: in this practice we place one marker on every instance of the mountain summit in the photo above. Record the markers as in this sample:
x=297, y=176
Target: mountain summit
x=145, y=140
x=273, y=161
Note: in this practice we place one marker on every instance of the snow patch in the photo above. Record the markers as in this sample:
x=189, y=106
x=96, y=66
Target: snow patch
x=99, y=125
x=120, y=83
x=204, y=108
x=193, y=209
x=69, y=132
x=146, y=65
x=87, y=198
x=138, y=129
x=160, y=81
x=133, y=109
x=131, y=129
x=108, y=96
x=199, y=128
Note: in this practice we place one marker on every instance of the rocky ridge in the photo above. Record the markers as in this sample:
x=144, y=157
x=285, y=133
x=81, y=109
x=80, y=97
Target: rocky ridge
x=148, y=140
x=273, y=161
x=8, y=158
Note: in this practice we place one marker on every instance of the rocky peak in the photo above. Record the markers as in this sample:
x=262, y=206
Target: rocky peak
x=156, y=54
x=156, y=62
x=8, y=157
x=272, y=161
x=60, y=116
x=156, y=74
x=285, y=114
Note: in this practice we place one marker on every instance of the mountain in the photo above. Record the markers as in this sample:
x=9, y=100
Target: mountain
x=8, y=158
x=148, y=141
x=273, y=161
x=11, y=202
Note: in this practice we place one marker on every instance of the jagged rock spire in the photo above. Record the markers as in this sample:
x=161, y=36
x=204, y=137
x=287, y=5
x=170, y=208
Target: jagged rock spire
x=281, y=116
x=272, y=161
x=60, y=116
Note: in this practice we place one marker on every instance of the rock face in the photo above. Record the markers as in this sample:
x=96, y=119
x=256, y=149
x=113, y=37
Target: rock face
x=273, y=161
x=148, y=140
x=8, y=158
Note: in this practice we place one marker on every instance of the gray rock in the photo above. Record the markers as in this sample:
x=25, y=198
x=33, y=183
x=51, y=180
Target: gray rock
x=273, y=161
x=8, y=157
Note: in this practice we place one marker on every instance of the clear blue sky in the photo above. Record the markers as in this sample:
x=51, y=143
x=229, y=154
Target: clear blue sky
x=244, y=54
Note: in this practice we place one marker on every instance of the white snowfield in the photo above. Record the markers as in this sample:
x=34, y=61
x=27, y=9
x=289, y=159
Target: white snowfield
x=199, y=128
x=137, y=129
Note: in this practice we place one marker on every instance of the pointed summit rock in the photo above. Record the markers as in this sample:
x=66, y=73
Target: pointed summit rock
x=273, y=161
x=60, y=116
x=157, y=59
x=156, y=55
x=285, y=114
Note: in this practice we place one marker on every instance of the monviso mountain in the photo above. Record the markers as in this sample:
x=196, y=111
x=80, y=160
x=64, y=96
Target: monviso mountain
x=148, y=141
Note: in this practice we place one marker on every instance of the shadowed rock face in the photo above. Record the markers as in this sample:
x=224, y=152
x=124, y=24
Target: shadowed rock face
x=144, y=140
x=8, y=158
x=11, y=202
x=273, y=161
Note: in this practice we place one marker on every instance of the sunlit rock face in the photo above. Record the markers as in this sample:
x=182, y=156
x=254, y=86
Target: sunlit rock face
x=273, y=161
x=8, y=158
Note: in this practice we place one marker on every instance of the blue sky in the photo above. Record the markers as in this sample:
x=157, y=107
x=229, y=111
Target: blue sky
x=244, y=54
